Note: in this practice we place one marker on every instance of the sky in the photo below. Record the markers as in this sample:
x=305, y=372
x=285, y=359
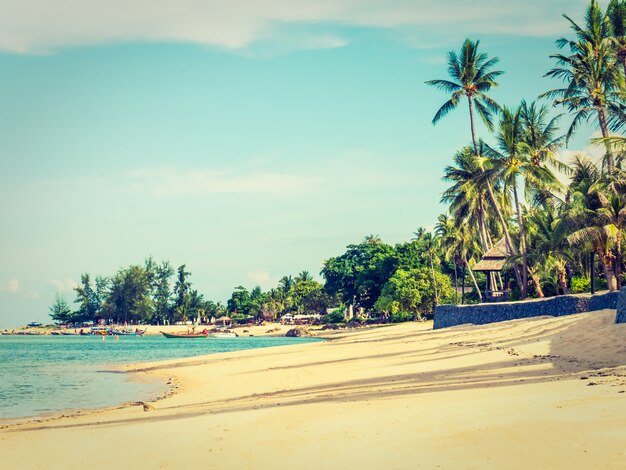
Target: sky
x=247, y=140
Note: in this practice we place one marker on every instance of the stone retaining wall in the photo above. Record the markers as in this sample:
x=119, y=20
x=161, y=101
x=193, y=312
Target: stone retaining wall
x=620, y=316
x=452, y=315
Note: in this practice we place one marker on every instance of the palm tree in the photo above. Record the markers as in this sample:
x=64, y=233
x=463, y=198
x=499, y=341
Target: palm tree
x=592, y=80
x=512, y=163
x=468, y=194
x=549, y=249
x=616, y=15
x=597, y=215
x=457, y=240
x=540, y=135
x=446, y=235
x=430, y=245
x=472, y=78
x=304, y=276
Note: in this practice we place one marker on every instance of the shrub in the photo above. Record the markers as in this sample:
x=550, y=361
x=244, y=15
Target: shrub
x=336, y=316
x=580, y=284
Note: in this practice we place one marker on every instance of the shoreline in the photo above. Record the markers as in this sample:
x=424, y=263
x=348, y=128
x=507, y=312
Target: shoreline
x=135, y=373
x=400, y=396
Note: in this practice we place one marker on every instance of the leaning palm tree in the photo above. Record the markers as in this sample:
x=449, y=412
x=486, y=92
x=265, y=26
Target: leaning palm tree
x=468, y=195
x=593, y=82
x=472, y=78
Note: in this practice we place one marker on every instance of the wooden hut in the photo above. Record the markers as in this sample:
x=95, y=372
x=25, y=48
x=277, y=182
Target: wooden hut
x=492, y=263
x=223, y=321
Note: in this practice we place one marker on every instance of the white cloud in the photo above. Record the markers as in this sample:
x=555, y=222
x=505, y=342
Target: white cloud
x=40, y=26
x=162, y=182
x=63, y=285
x=592, y=151
x=13, y=286
x=261, y=278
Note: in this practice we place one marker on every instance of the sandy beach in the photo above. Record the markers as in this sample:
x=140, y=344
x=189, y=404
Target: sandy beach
x=538, y=393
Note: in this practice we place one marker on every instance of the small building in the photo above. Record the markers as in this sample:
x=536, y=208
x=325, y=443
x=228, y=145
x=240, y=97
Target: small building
x=223, y=321
x=492, y=263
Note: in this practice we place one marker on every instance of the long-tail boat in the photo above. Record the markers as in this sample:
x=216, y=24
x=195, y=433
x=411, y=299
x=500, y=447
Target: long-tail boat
x=204, y=334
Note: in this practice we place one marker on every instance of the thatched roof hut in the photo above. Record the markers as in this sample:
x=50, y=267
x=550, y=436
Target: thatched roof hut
x=223, y=321
x=494, y=259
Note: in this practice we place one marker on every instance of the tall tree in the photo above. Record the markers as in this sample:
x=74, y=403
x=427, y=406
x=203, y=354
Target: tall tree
x=593, y=82
x=472, y=77
x=513, y=163
x=182, y=294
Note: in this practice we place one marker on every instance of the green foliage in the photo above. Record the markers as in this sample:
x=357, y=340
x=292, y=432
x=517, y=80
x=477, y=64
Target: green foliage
x=60, y=310
x=580, y=284
x=358, y=275
x=412, y=293
x=336, y=316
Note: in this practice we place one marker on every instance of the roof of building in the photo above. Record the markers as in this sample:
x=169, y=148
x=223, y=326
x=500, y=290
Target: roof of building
x=494, y=259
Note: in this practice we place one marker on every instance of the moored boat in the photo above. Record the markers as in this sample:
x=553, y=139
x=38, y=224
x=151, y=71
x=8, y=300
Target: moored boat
x=223, y=334
x=204, y=334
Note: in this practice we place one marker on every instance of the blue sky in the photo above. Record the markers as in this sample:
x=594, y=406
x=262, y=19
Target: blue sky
x=245, y=142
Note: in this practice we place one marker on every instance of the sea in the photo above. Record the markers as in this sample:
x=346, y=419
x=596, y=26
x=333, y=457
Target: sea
x=42, y=375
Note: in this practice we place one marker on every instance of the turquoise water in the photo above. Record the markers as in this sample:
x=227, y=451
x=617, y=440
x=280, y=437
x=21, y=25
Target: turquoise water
x=46, y=374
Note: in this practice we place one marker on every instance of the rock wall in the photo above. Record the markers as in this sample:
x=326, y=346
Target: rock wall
x=621, y=307
x=452, y=315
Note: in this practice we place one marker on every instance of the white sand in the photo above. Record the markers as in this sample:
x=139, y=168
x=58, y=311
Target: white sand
x=503, y=396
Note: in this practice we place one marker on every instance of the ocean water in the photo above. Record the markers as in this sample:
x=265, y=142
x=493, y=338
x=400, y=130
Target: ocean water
x=40, y=375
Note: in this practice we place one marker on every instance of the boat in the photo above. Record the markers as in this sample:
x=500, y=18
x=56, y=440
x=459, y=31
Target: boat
x=204, y=334
x=100, y=330
x=224, y=334
x=129, y=332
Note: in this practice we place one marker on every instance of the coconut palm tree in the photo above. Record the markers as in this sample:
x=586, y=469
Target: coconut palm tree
x=467, y=196
x=472, y=78
x=616, y=15
x=592, y=79
x=446, y=234
x=431, y=248
x=513, y=162
x=459, y=245
x=549, y=249
x=597, y=215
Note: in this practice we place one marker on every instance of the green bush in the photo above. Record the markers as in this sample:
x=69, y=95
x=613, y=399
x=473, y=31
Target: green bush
x=336, y=316
x=580, y=284
x=401, y=317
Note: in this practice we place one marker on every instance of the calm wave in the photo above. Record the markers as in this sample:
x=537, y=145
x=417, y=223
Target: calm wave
x=45, y=374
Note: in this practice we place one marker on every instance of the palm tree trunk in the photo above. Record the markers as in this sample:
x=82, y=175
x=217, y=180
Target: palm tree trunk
x=482, y=227
x=609, y=274
x=505, y=229
x=480, y=296
x=562, y=275
x=456, y=284
x=618, y=260
x=463, y=283
x=537, y=282
x=610, y=163
x=522, y=235
x=471, y=112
